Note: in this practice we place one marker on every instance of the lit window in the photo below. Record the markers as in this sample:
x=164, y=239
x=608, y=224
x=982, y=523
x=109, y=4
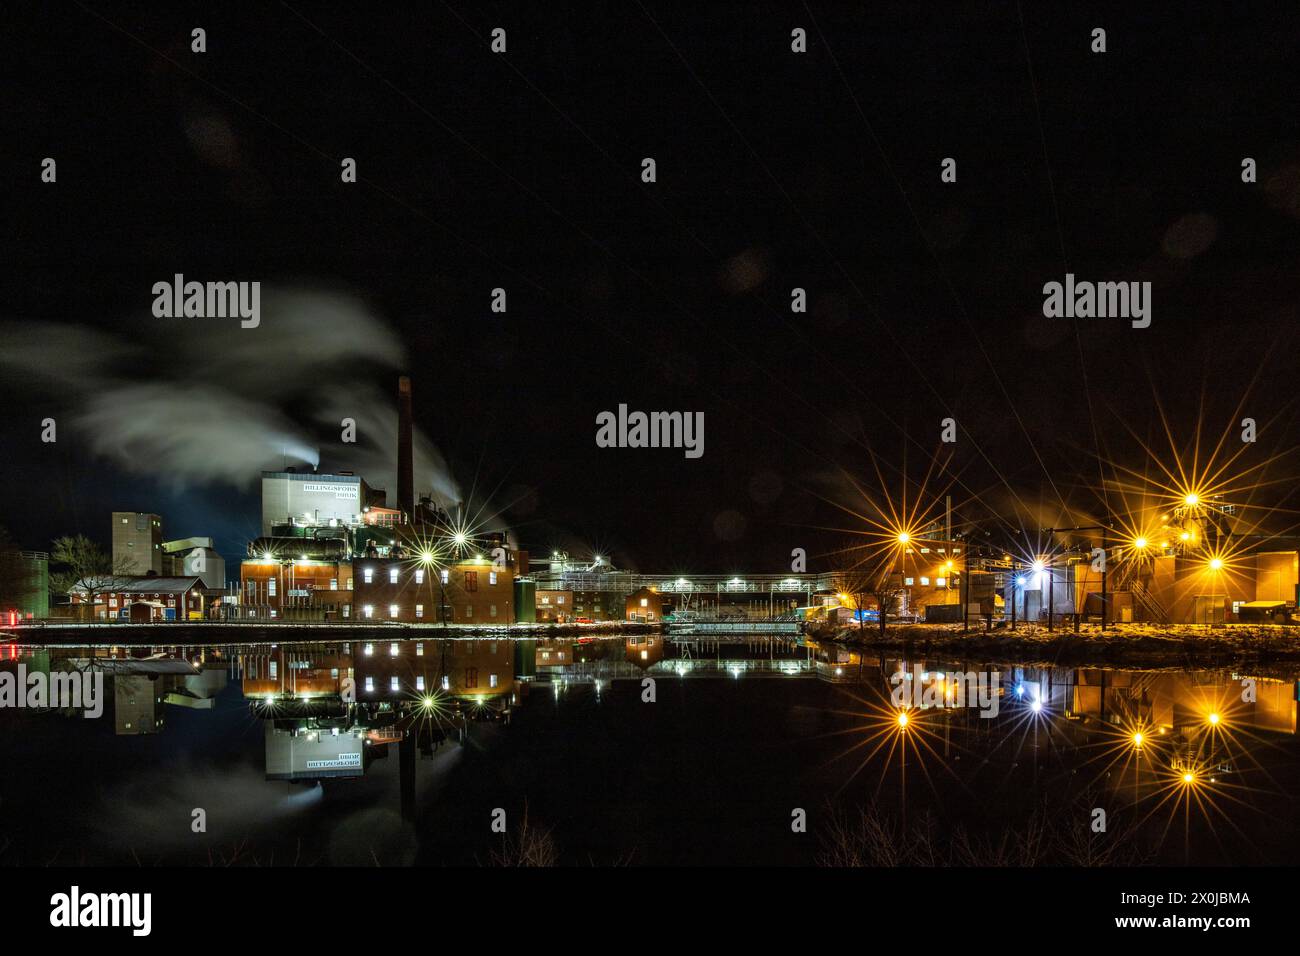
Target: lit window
x=370, y=648
x=370, y=684
x=446, y=682
x=925, y=582
x=492, y=610
x=492, y=577
x=419, y=612
x=393, y=685
x=445, y=575
x=393, y=650
x=941, y=582
x=270, y=586
x=392, y=575
x=392, y=610
x=645, y=655
x=559, y=599
x=368, y=575
x=419, y=575
x=368, y=610
x=419, y=648
x=419, y=682
x=492, y=680
x=907, y=581
x=334, y=584
x=546, y=600
x=645, y=602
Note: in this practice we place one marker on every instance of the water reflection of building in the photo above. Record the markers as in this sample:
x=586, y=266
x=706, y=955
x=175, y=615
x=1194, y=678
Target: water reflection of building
x=296, y=671
x=405, y=670
x=1177, y=702
x=837, y=663
x=553, y=654
x=315, y=749
x=140, y=702
x=644, y=650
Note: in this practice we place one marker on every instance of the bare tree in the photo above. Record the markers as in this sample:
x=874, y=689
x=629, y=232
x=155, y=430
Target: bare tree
x=871, y=576
x=84, y=568
x=532, y=846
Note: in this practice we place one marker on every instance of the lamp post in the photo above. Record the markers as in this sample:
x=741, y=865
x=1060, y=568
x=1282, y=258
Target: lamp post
x=1011, y=592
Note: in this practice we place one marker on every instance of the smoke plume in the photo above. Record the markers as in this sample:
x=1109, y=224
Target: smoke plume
x=201, y=401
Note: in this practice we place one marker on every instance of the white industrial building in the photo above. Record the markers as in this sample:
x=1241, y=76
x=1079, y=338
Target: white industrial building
x=290, y=497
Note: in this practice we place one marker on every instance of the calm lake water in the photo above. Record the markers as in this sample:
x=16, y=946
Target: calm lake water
x=1193, y=768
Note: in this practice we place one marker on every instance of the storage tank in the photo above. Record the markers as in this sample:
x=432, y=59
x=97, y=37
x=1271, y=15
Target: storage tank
x=525, y=601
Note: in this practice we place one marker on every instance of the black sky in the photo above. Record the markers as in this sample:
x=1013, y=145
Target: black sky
x=775, y=170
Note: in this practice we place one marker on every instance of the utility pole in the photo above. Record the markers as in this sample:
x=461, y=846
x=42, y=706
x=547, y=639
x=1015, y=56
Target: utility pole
x=1104, y=608
x=1011, y=593
x=1051, y=590
x=965, y=585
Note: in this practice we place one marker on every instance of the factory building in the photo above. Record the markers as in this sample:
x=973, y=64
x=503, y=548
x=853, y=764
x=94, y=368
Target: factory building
x=300, y=588
x=137, y=542
x=554, y=607
x=194, y=557
x=310, y=499
x=466, y=591
x=145, y=599
x=644, y=606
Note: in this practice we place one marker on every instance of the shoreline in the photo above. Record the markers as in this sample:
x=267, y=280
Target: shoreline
x=1184, y=646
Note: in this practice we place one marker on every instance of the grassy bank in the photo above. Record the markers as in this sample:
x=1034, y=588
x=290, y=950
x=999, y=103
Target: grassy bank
x=1121, y=644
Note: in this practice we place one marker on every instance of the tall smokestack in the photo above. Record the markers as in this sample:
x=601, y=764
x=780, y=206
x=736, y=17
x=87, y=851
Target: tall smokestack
x=405, y=464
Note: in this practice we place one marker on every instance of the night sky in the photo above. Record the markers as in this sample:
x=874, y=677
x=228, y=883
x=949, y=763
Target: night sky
x=522, y=170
